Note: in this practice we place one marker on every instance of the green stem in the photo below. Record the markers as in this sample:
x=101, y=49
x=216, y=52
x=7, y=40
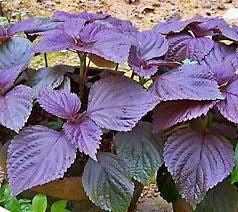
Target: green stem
x=142, y=81
x=116, y=68
x=46, y=60
x=82, y=57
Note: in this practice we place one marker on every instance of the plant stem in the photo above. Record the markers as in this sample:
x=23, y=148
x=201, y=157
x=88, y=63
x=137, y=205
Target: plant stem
x=116, y=68
x=82, y=57
x=132, y=75
x=142, y=81
x=46, y=60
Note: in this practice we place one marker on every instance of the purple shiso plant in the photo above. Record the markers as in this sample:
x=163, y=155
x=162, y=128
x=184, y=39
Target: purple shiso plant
x=175, y=115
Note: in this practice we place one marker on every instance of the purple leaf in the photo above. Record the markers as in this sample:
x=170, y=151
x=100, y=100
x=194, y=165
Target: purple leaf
x=176, y=26
x=93, y=38
x=118, y=103
x=190, y=82
x=37, y=156
x=220, y=60
x=151, y=44
x=88, y=17
x=55, y=40
x=18, y=51
x=61, y=103
x=228, y=131
x=8, y=77
x=197, y=162
x=85, y=135
x=15, y=107
x=33, y=26
x=123, y=26
x=167, y=114
x=49, y=77
x=229, y=107
x=229, y=32
x=184, y=46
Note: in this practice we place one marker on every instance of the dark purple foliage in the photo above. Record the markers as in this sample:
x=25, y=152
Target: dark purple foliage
x=184, y=86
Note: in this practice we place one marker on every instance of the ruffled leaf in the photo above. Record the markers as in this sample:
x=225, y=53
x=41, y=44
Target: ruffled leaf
x=228, y=107
x=170, y=113
x=176, y=26
x=141, y=150
x=185, y=46
x=8, y=77
x=118, y=103
x=107, y=182
x=151, y=44
x=197, y=161
x=34, y=26
x=60, y=103
x=18, y=51
x=190, y=82
x=85, y=135
x=36, y=156
x=49, y=77
x=15, y=107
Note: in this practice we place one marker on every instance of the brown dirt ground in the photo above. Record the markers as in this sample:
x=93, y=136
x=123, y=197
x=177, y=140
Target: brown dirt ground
x=144, y=14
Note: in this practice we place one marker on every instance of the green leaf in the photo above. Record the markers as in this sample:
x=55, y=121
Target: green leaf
x=59, y=206
x=39, y=203
x=234, y=173
x=166, y=186
x=141, y=150
x=107, y=182
x=222, y=198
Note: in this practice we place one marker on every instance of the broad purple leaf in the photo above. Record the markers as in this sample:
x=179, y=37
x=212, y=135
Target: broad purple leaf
x=229, y=107
x=118, y=103
x=85, y=135
x=190, y=82
x=107, y=182
x=88, y=17
x=176, y=26
x=8, y=77
x=55, y=40
x=222, y=62
x=184, y=46
x=229, y=32
x=150, y=45
x=140, y=66
x=15, y=107
x=228, y=131
x=49, y=77
x=18, y=51
x=60, y=103
x=167, y=114
x=33, y=26
x=197, y=161
x=124, y=26
x=37, y=156
x=93, y=38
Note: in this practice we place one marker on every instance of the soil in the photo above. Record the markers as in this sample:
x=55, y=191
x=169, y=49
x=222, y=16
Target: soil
x=144, y=14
